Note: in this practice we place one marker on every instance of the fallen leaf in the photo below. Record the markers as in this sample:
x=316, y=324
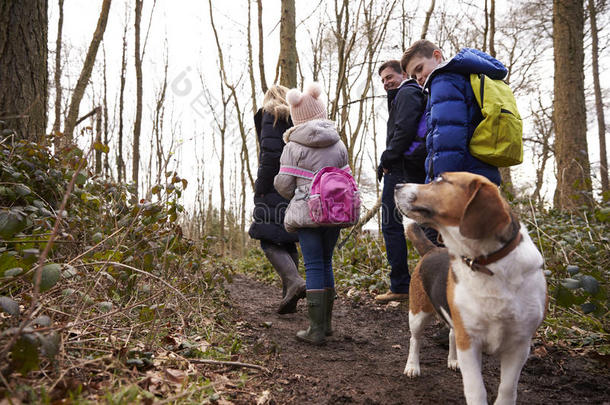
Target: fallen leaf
x=175, y=376
x=396, y=347
x=264, y=398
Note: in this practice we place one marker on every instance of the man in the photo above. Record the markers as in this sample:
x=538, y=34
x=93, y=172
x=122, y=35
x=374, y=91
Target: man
x=401, y=162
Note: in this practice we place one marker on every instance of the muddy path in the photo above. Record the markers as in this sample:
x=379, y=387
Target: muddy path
x=363, y=362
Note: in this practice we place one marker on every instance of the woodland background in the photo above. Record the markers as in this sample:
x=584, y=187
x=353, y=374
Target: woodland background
x=129, y=158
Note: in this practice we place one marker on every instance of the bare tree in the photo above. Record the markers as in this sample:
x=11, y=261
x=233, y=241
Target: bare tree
x=261, y=58
x=251, y=61
x=288, y=46
x=424, y=30
x=85, y=74
x=23, y=67
x=137, y=125
x=121, y=170
x=599, y=102
x=60, y=24
x=569, y=114
x=105, y=113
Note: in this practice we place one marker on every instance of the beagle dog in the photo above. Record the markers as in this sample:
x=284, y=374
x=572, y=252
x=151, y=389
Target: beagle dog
x=487, y=284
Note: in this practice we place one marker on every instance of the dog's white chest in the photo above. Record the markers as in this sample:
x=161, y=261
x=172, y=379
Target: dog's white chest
x=495, y=310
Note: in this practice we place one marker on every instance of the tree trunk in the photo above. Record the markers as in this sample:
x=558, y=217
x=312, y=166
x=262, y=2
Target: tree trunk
x=599, y=102
x=492, y=28
x=85, y=74
x=424, y=30
x=569, y=114
x=251, y=63
x=23, y=67
x=288, y=46
x=137, y=125
x=60, y=24
x=261, y=58
x=121, y=175
x=105, y=113
x=98, y=140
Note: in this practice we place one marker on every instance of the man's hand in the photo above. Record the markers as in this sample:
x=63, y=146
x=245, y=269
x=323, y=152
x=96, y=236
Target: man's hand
x=381, y=171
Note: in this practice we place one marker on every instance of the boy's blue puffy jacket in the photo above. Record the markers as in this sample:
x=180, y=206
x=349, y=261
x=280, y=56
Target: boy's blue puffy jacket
x=452, y=114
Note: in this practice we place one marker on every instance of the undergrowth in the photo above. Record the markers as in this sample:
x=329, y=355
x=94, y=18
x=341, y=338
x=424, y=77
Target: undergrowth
x=124, y=296
x=576, y=250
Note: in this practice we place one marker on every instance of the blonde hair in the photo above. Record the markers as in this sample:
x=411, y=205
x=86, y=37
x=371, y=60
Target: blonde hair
x=275, y=103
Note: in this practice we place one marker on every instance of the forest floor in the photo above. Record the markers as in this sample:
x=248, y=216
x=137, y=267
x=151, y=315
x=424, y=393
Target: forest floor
x=363, y=362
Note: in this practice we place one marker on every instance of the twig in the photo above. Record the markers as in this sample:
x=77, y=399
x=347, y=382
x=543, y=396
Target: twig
x=106, y=315
x=94, y=247
x=230, y=363
x=146, y=274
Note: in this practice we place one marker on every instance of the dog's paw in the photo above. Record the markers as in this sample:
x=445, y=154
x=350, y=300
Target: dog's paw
x=453, y=365
x=412, y=370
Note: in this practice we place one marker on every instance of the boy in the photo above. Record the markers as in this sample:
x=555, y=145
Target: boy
x=452, y=112
x=401, y=162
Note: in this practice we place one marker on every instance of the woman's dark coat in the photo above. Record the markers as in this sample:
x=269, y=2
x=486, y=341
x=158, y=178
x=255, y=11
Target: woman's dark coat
x=269, y=206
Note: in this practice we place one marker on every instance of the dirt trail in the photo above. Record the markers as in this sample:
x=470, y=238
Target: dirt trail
x=363, y=362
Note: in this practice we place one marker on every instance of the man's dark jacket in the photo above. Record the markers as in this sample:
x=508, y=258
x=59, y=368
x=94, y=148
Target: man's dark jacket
x=269, y=206
x=405, y=151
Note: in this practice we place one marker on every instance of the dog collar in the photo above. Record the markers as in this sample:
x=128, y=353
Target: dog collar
x=479, y=263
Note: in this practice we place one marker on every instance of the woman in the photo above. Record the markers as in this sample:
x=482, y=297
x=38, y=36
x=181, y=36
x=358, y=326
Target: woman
x=278, y=245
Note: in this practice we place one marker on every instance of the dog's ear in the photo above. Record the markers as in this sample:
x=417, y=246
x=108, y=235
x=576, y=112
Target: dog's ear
x=485, y=214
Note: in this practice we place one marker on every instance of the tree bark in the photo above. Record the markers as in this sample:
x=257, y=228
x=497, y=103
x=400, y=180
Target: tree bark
x=261, y=58
x=569, y=114
x=251, y=63
x=60, y=24
x=492, y=28
x=599, y=102
x=23, y=67
x=424, y=30
x=105, y=113
x=288, y=46
x=137, y=125
x=85, y=74
x=121, y=170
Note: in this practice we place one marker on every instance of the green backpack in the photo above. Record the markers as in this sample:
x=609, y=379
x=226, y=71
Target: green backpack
x=498, y=139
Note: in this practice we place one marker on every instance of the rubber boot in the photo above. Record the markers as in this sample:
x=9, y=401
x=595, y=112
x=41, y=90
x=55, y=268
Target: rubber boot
x=316, y=309
x=330, y=299
x=293, y=286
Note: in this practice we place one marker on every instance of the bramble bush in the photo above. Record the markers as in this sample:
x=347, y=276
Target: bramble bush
x=117, y=264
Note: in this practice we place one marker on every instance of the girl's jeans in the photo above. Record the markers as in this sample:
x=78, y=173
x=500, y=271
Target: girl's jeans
x=317, y=245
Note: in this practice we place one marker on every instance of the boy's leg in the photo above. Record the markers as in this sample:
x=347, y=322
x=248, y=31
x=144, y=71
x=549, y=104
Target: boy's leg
x=395, y=242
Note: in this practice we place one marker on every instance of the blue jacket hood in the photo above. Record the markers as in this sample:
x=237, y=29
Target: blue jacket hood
x=469, y=60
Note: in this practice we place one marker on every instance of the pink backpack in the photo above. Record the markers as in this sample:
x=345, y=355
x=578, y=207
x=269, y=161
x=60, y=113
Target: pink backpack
x=333, y=197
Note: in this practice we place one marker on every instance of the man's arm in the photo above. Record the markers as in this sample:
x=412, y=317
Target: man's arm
x=409, y=107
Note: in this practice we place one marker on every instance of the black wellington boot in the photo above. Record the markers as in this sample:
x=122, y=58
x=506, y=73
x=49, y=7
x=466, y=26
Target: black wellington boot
x=293, y=285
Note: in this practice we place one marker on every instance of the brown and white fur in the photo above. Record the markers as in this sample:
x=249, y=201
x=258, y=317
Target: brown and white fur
x=494, y=314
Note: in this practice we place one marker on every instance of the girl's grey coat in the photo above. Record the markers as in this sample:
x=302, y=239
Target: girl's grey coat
x=311, y=146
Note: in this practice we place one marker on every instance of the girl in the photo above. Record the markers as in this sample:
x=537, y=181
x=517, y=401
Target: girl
x=313, y=143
